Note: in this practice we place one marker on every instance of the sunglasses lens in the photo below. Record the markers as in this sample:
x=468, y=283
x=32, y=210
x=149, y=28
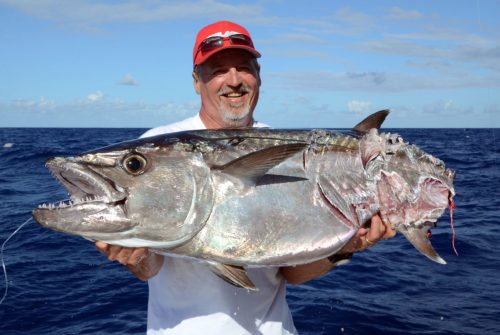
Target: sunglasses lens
x=240, y=39
x=211, y=43
x=215, y=42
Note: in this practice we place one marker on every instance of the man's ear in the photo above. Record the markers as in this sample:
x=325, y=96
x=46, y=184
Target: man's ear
x=258, y=72
x=196, y=82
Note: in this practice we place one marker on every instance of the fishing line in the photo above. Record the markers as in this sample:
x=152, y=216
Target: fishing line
x=3, y=262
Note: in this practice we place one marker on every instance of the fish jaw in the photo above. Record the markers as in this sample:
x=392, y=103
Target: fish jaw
x=161, y=200
x=96, y=205
x=83, y=218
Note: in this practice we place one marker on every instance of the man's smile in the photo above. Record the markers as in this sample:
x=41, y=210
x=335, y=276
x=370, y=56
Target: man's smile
x=234, y=98
x=234, y=95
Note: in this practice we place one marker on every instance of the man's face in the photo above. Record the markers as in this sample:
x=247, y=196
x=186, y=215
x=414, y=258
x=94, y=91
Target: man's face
x=228, y=83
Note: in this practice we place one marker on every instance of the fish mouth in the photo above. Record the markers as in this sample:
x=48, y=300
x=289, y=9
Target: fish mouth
x=83, y=183
x=92, y=197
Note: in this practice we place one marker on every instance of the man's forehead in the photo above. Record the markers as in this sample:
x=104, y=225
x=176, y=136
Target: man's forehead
x=229, y=56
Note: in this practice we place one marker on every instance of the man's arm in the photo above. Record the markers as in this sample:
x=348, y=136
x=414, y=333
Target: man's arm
x=363, y=239
x=143, y=263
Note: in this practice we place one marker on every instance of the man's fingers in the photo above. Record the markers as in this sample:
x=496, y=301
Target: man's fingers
x=112, y=251
x=120, y=254
x=376, y=232
x=130, y=257
x=389, y=232
x=367, y=237
x=138, y=255
x=102, y=247
x=380, y=230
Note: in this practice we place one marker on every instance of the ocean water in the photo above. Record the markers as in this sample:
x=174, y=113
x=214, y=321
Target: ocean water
x=59, y=284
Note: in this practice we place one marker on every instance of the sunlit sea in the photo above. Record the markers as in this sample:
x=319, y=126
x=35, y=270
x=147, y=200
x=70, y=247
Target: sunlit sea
x=59, y=284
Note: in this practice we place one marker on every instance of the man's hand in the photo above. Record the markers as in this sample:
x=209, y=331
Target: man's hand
x=367, y=237
x=140, y=261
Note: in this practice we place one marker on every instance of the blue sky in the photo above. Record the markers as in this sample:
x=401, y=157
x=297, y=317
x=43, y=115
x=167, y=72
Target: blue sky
x=128, y=63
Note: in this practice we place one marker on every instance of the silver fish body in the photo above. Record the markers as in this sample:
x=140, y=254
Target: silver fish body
x=250, y=197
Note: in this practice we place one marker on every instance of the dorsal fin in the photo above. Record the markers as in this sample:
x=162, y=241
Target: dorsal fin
x=375, y=120
x=256, y=164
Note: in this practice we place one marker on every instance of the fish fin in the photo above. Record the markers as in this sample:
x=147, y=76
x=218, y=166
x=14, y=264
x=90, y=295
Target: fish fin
x=375, y=120
x=418, y=238
x=234, y=275
x=256, y=164
x=336, y=203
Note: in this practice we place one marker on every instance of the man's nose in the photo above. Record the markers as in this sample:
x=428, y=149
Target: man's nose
x=233, y=77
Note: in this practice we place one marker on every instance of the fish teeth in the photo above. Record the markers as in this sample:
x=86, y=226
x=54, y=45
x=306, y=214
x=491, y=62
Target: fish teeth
x=72, y=202
x=119, y=188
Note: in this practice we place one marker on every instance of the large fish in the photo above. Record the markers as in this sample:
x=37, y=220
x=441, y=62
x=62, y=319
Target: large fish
x=251, y=197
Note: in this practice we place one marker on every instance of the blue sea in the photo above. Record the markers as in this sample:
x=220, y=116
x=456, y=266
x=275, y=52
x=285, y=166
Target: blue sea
x=59, y=284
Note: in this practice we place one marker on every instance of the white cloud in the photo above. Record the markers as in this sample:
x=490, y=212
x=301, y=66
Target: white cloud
x=301, y=38
x=128, y=80
x=447, y=108
x=445, y=45
x=429, y=64
x=494, y=110
x=86, y=14
x=96, y=96
x=356, y=20
x=26, y=104
x=396, y=13
x=93, y=111
x=357, y=106
x=379, y=81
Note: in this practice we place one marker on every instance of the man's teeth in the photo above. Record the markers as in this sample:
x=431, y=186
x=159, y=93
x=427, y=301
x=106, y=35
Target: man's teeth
x=234, y=95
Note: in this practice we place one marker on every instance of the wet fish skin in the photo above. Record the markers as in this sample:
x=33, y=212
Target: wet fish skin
x=250, y=197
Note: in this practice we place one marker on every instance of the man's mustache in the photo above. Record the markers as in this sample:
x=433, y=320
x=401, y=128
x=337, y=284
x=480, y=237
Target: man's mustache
x=228, y=89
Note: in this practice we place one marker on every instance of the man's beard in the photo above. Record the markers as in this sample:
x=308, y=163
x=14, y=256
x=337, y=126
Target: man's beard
x=236, y=117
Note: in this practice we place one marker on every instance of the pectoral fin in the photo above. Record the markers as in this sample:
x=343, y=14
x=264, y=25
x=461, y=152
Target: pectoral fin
x=418, y=238
x=256, y=164
x=234, y=275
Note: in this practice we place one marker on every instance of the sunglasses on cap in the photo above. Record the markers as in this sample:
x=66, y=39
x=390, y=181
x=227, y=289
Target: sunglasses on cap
x=215, y=42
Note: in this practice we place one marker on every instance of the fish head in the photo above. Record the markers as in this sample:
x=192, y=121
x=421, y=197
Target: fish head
x=414, y=188
x=135, y=194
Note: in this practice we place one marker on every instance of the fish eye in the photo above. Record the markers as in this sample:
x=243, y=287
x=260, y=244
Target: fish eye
x=134, y=164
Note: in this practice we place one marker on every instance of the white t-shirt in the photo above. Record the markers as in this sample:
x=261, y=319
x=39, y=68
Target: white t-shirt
x=185, y=297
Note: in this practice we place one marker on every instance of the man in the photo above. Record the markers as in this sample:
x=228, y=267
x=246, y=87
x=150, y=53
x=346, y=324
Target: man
x=185, y=297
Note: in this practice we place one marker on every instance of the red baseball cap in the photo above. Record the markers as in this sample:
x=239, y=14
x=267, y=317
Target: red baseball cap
x=219, y=36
